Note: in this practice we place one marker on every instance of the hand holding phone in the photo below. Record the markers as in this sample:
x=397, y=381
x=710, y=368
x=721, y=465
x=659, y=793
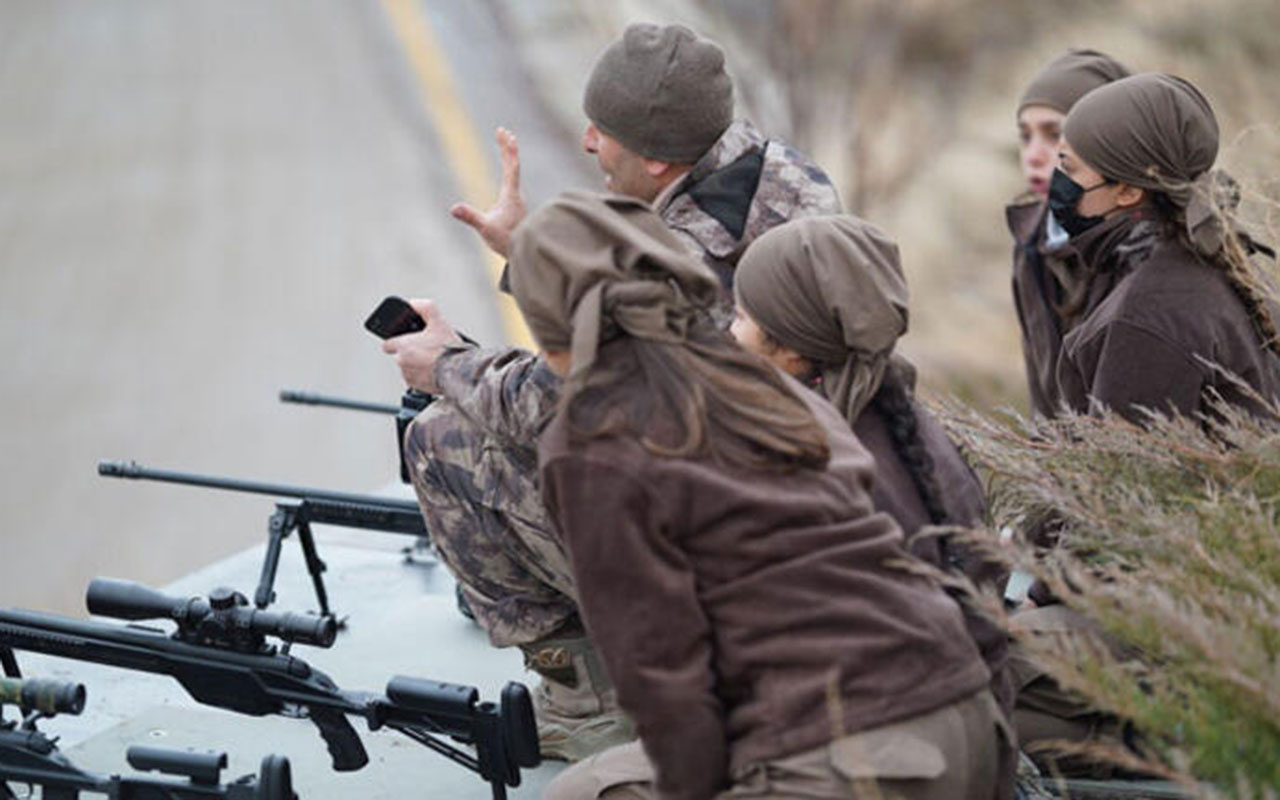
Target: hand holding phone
x=394, y=317
x=415, y=355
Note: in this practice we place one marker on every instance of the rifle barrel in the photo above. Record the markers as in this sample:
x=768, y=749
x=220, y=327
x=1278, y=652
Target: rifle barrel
x=314, y=399
x=135, y=471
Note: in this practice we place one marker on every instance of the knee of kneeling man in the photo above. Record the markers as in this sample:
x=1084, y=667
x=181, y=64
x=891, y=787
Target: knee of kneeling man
x=437, y=430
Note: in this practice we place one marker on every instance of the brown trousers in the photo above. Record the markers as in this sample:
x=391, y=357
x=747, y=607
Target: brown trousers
x=951, y=753
x=1043, y=711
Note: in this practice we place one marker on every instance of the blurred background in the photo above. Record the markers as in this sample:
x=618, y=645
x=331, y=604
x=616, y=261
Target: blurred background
x=200, y=203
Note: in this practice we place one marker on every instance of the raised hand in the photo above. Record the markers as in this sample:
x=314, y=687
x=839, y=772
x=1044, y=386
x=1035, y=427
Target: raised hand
x=496, y=224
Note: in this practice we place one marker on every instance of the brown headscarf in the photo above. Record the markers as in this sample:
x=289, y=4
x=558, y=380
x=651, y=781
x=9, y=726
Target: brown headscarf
x=832, y=289
x=587, y=266
x=1158, y=132
x=1070, y=76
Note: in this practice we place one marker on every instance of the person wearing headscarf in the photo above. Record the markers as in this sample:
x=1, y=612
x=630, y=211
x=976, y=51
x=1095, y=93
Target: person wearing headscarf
x=1047, y=278
x=1171, y=317
x=746, y=598
x=1173, y=314
x=825, y=300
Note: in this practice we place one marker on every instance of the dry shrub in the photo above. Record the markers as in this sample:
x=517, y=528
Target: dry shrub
x=1170, y=544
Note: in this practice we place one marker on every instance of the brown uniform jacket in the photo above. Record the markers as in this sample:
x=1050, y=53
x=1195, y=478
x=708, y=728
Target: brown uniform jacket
x=747, y=615
x=1041, y=334
x=895, y=493
x=1141, y=343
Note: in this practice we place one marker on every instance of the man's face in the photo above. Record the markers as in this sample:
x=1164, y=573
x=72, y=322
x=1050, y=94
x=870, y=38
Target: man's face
x=624, y=171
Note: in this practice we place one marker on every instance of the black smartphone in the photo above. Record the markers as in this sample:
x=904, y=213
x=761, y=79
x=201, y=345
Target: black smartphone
x=394, y=317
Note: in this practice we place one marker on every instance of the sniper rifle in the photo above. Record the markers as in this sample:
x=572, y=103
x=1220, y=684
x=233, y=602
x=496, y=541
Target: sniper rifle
x=220, y=655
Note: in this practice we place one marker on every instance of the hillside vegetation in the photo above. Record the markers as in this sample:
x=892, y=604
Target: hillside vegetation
x=1170, y=543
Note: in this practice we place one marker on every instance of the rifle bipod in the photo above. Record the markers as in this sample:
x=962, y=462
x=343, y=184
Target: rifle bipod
x=287, y=518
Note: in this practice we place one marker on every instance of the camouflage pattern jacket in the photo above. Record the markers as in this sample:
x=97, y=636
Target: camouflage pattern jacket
x=743, y=186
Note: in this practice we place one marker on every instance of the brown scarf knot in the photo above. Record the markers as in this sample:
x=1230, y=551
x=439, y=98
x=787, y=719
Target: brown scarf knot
x=588, y=267
x=643, y=309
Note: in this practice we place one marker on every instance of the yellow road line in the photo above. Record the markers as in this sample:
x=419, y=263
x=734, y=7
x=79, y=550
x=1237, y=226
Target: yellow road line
x=458, y=136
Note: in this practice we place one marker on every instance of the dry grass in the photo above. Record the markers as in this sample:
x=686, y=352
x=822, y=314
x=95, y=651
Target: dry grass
x=1171, y=544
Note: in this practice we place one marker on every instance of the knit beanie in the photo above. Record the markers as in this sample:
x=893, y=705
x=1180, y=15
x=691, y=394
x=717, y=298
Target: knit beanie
x=662, y=92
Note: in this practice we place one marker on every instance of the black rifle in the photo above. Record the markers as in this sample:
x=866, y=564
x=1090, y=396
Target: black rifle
x=314, y=399
x=30, y=758
x=364, y=511
x=411, y=402
x=220, y=656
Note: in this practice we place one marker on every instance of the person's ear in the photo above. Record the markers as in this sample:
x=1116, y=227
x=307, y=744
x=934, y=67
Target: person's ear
x=657, y=169
x=1129, y=196
x=792, y=362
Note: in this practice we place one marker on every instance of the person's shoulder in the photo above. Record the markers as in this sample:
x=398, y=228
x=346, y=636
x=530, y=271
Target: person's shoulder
x=841, y=438
x=1171, y=296
x=1173, y=275
x=794, y=185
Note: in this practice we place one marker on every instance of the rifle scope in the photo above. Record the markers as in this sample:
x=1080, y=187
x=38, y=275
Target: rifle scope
x=224, y=616
x=47, y=697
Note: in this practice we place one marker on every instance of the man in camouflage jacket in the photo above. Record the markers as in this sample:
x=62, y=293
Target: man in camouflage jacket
x=719, y=184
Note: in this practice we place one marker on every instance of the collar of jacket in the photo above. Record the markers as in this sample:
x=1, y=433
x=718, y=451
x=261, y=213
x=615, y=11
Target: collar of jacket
x=722, y=185
x=1024, y=216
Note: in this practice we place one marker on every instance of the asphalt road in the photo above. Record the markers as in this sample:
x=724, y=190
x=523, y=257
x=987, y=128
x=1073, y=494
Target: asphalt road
x=199, y=203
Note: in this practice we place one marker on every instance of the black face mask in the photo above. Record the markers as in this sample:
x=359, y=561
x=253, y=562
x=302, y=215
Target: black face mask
x=1064, y=196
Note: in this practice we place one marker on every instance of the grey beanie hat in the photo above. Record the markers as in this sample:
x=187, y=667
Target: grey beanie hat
x=662, y=92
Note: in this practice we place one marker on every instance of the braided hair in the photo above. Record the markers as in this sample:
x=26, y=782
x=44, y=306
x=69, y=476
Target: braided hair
x=896, y=403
